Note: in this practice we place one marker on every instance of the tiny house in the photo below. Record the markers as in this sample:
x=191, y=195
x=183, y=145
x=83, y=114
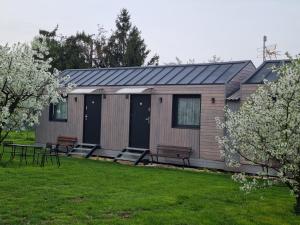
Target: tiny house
x=264, y=72
x=143, y=107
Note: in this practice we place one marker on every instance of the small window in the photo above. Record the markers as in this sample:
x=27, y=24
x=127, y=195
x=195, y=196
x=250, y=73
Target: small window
x=59, y=111
x=186, y=111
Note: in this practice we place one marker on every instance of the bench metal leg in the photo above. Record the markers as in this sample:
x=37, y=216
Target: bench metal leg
x=183, y=165
x=37, y=158
x=151, y=159
x=44, y=157
x=57, y=160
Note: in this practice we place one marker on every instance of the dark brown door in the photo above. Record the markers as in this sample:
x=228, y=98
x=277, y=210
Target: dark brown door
x=92, y=119
x=139, y=134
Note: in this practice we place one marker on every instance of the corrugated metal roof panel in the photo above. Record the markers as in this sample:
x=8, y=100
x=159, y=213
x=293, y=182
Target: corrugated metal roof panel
x=235, y=96
x=204, y=74
x=272, y=76
x=100, y=77
x=265, y=71
x=119, y=77
x=129, y=77
x=86, y=76
x=170, y=75
x=89, y=77
x=181, y=75
x=140, y=76
x=66, y=72
x=261, y=74
x=73, y=75
x=190, y=74
x=83, y=76
x=216, y=74
x=149, y=76
x=160, y=75
x=96, y=76
x=230, y=73
x=77, y=77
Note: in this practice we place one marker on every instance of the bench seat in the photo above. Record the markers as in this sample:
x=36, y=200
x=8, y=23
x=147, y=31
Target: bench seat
x=169, y=151
x=65, y=144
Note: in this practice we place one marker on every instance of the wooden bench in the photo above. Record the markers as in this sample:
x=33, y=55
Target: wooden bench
x=65, y=144
x=177, y=152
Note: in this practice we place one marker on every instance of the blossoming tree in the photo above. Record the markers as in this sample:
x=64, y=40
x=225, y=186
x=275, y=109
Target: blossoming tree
x=26, y=85
x=266, y=132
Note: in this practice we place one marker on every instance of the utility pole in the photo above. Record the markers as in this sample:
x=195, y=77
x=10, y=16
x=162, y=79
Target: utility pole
x=264, y=47
x=92, y=50
x=91, y=53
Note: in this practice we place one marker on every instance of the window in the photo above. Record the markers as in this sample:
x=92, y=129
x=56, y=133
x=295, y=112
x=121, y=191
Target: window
x=59, y=111
x=186, y=111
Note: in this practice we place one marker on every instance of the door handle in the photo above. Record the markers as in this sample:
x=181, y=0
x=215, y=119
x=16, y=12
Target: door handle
x=85, y=116
x=148, y=119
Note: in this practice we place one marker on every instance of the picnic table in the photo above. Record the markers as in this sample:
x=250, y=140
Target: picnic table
x=32, y=150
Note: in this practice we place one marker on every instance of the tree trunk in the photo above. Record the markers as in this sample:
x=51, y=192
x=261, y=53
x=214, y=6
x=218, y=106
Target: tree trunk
x=297, y=205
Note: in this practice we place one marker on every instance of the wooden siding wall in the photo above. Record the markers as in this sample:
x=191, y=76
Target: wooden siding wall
x=233, y=105
x=47, y=131
x=209, y=148
x=115, y=120
x=161, y=131
x=234, y=84
x=247, y=90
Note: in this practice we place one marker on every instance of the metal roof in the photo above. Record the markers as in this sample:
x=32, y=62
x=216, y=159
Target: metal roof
x=235, y=96
x=265, y=72
x=190, y=74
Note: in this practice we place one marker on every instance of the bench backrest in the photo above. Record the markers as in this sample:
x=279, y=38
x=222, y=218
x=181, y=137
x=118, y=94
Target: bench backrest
x=66, y=141
x=178, y=151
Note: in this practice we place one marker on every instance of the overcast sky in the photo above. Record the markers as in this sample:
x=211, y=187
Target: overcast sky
x=188, y=29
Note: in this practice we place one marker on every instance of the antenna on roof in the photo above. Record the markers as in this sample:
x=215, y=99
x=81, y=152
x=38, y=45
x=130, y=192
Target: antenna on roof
x=268, y=51
x=264, y=47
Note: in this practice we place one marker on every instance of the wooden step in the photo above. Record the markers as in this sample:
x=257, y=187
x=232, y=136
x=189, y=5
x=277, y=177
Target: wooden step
x=140, y=150
x=132, y=154
x=84, y=149
x=87, y=144
x=128, y=155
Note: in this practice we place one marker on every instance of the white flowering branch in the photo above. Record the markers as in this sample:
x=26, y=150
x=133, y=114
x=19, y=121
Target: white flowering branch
x=26, y=85
x=266, y=132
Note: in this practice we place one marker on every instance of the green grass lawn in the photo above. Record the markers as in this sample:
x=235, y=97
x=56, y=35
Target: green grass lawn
x=21, y=137
x=85, y=191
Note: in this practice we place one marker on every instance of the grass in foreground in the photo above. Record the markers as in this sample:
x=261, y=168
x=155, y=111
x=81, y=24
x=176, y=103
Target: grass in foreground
x=94, y=192
x=21, y=137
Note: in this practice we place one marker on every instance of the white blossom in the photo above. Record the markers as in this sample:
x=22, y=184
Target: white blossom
x=266, y=131
x=26, y=85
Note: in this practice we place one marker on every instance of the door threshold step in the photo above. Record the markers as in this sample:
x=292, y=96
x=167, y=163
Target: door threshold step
x=83, y=150
x=137, y=149
x=132, y=154
x=129, y=156
x=87, y=144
